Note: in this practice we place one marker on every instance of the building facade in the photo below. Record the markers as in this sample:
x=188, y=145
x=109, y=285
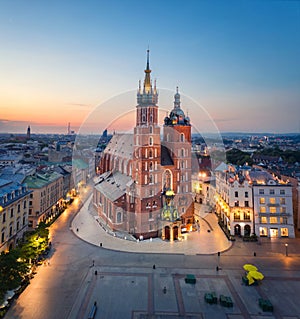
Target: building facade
x=46, y=197
x=136, y=170
x=14, y=210
x=273, y=206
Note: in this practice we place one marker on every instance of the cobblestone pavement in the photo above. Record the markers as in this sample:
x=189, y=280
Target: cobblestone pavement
x=127, y=279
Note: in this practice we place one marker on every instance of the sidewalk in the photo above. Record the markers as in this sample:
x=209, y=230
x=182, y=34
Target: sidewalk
x=203, y=242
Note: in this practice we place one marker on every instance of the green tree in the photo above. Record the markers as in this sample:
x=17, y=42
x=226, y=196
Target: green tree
x=12, y=271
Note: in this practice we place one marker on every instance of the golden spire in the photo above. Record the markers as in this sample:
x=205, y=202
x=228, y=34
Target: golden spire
x=147, y=81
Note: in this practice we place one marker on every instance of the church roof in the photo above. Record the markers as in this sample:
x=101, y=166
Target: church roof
x=113, y=185
x=165, y=156
x=120, y=145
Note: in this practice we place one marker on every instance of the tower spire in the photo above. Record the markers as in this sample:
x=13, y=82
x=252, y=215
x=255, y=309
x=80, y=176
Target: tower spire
x=147, y=81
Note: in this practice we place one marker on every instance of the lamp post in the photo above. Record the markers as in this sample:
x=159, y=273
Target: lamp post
x=286, y=249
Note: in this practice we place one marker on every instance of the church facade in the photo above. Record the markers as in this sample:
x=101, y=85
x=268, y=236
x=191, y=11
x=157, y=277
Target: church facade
x=144, y=186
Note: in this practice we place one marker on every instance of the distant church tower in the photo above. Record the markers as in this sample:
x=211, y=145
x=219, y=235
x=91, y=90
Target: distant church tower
x=28, y=133
x=147, y=148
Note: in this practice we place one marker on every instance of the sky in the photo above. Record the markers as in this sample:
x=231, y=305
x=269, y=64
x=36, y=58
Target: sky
x=238, y=60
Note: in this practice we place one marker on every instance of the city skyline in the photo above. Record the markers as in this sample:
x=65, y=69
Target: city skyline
x=239, y=61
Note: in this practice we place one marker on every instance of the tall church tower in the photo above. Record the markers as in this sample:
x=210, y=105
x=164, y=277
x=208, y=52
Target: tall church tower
x=147, y=148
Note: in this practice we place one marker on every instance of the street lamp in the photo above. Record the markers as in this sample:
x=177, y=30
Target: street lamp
x=286, y=249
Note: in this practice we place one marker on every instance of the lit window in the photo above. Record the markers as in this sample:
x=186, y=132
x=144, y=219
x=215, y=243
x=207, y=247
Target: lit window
x=272, y=210
x=282, y=201
x=273, y=220
x=263, y=220
x=262, y=209
x=272, y=200
x=262, y=200
x=284, y=232
x=283, y=210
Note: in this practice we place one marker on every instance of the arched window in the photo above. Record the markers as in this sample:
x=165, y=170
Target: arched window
x=150, y=153
x=150, y=140
x=182, y=137
x=182, y=152
x=150, y=179
x=119, y=217
x=150, y=166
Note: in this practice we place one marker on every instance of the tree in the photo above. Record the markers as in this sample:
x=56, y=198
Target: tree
x=12, y=271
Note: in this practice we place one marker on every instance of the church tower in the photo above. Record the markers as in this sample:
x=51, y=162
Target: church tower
x=177, y=139
x=147, y=148
x=28, y=136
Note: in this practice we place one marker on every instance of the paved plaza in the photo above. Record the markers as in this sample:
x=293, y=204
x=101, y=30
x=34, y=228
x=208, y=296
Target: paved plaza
x=146, y=280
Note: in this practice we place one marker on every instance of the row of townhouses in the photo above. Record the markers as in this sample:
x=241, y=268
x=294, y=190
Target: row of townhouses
x=248, y=200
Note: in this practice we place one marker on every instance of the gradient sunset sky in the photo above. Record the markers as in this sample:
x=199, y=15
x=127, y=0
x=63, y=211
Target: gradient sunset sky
x=240, y=60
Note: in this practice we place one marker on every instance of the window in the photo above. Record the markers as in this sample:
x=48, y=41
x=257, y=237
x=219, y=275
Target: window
x=24, y=205
x=12, y=212
x=150, y=153
x=237, y=216
x=236, y=194
x=182, y=152
x=272, y=200
x=151, y=129
x=283, y=220
x=273, y=210
x=150, y=166
x=284, y=232
x=2, y=238
x=10, y=231
x=19, y=208
x=263, y=220
x=246, y=203
x=262, y=200
x=247, y=215
x=282, y=192
x=273, y=220
x=4, y=217
x=150, y=179
x=272, y=191
x=119, y=217
x=181, y=137
x=282, y=201
x=236, y=203
x=261, y=191
x=282, y=210
x=262, y=209
x=246, y=194
x=151, y=140
x=150, y=215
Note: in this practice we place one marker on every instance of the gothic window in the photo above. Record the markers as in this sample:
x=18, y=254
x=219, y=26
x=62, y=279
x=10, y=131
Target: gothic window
x=150, y=179
x=119, y=217
x=182, y=137
x=150, y=166
x=182, y=152
x=150, y=140
x=167, y=180
x=151, y=129
x=150, y=153
x=143, y=115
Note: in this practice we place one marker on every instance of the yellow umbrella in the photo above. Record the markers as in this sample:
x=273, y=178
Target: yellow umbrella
x=256, y=275
x=250, y=279
x=249, y=267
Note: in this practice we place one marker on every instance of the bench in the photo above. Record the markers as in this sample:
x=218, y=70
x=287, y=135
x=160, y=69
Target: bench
x=226, y=301
x=93, y=310
x=265, y=305
x=190, y=279
x=211, y=298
